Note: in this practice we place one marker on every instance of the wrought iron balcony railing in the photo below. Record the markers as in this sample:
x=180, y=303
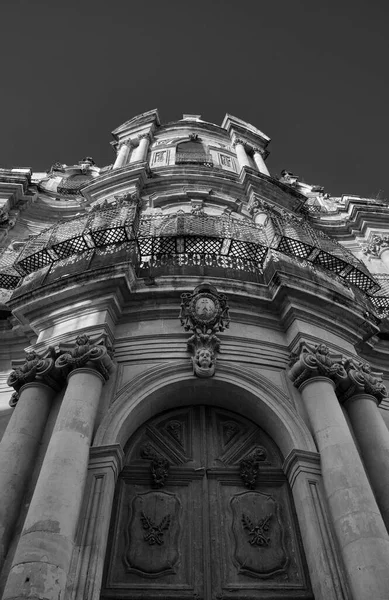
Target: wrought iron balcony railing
x=194, y=158
x=183, y=239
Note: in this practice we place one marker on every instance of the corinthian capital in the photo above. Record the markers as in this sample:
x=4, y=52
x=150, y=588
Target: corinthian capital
x=313, y=361
x=238, y=141
x=36, y=368
x=127, y=143
x=145, y=136
x=87, y=354
x=361, y=380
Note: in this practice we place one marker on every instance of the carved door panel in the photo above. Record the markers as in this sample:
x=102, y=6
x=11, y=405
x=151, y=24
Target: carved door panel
x=203, y=511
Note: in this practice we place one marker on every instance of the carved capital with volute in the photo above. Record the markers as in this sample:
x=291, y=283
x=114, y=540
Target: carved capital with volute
x=313, y=361
x=144, y=136
x=361, y=380
x=127, y=143
x=35, y=368
x=237, y=141
x=85, y=353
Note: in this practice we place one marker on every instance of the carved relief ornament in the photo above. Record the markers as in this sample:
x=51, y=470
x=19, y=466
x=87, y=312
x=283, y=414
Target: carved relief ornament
x=376, y=245
x=313, y=361
x=35, y=368
x=87, y=354
x=205, y=313
x=350, y=376
x=361, y=380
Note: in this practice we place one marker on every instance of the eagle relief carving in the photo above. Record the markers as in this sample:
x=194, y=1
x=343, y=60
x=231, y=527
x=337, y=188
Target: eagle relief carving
x=153, y=532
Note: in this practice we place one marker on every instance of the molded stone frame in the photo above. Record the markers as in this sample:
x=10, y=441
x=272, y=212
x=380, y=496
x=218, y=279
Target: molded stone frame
x=157, y=390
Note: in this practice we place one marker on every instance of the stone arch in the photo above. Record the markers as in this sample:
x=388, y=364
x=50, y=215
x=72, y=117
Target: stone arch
x=234, y=387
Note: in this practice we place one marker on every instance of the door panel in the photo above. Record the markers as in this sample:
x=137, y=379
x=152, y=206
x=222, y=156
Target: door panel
x=195, y=530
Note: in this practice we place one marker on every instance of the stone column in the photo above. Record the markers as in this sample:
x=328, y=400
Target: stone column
x=37, y=384
x=258, y=159
x=140, y=153
x=372, y=436
x=361, y=393
x=328, y=579
x=86, y=572
x=357, y=521
x=241, y=154
x=42, y=558
x=384, y=256
x=122, y=155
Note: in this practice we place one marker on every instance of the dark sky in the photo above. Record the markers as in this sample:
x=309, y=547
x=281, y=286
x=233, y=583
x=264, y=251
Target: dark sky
x=313, y=75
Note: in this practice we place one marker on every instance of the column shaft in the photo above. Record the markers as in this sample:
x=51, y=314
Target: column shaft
x=140, y=153
x=42, y=559
x=372, y=436
x=122, y=155
x=384, y=256
x=258, y=159
x=357, y=520
x=18, y=450
x=241, y=154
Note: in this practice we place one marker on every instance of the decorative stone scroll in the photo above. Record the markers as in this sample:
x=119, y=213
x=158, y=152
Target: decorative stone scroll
x=87, y=354
x=35, y=368
x=376, y=245
x=313, y=361
x=361, y=380
x=351, y=376
x=205, y=313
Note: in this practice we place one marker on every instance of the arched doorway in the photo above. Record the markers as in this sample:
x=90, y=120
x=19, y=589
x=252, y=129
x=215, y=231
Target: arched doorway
x=192, y=520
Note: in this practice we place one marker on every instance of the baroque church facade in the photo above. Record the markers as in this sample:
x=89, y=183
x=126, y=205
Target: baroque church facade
x=192, y=376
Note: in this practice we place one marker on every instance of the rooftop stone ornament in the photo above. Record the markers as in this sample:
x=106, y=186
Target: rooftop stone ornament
x=205, y=313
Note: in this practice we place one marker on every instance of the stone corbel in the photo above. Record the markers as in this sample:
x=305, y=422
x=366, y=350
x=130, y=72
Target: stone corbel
x=87, y=354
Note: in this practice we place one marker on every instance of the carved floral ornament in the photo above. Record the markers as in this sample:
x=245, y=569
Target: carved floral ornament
x=350, y=376
x=205, y=313
x=376, y=245
x=52, y=367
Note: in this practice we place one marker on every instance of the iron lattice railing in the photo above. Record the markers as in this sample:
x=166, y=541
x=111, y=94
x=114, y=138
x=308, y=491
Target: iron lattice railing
x=195, y=158
x=186, y=239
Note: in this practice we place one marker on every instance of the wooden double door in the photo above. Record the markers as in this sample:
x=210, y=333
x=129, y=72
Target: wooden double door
x=203, y=511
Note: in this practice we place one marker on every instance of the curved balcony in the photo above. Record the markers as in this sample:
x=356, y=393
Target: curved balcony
x=179, y=240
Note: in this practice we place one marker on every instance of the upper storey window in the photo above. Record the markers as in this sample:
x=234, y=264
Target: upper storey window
x=193, y=152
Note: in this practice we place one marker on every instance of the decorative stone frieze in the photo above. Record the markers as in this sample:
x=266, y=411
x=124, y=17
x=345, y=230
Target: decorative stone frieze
x=205, y=313
x=87, y=354
x=35, y=368
x=314, y=361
